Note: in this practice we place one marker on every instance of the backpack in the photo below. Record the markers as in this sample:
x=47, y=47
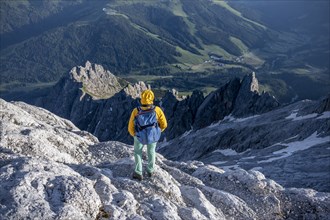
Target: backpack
x=146, y=126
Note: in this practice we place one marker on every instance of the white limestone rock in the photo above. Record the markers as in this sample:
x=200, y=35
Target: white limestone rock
x=96, y=81
x=197, y=199
x=43, y=189
x=94, y=181
x=36, y=132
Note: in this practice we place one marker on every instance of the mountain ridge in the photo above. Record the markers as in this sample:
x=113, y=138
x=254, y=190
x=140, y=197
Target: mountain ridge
x=293, y=139
x=100, y=186
x=98, y=116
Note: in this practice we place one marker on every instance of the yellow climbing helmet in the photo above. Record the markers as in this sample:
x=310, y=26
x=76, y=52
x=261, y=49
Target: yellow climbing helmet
x=147, y=97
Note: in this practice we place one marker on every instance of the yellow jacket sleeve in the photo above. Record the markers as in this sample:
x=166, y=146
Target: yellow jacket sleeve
x=161, y=118
x=131, y=129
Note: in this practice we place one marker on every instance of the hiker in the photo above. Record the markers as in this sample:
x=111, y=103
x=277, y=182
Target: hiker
x=145, y=125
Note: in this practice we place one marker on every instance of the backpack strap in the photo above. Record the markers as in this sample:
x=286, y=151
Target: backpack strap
x=141, y=112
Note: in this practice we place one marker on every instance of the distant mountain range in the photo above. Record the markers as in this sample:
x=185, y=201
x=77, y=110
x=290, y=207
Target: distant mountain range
x=178, y=44
x=97, y=101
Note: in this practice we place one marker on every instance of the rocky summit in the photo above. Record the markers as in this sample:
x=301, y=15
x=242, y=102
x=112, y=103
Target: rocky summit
x=49, y=169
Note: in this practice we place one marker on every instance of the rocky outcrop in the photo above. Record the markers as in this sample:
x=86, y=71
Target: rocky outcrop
x=99, y=186
x=110, y=120
x=78, y=98
x=196, y=112
x=26, y=130
x=249, y=102
x=180, y=113
x=217, y=105
x=136, y=89
x=324, y=105
x=67, y=100
x=289, y=140
x=33, y=188
x=74, y=98
x=169, y=102
x=95, y=81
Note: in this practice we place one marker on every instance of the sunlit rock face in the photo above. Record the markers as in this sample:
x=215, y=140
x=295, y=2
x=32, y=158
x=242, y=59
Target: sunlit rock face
x=87, y=179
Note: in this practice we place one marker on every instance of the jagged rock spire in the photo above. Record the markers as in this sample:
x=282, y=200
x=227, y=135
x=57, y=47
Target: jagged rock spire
x=324, y=105
x=96, y=81
x=250, y=83
x=136, y=89
x=101, y=116
x=249, y=102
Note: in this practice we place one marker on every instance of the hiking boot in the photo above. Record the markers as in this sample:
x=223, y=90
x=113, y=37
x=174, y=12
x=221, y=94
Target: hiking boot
x=137, y=176
x=149, y=174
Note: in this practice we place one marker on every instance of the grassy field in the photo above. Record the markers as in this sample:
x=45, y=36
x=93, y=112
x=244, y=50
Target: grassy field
x=144, y=78
x=187, y=58
x=239, y=14
x=252, y=59
x=315, y=74
x=239, y=44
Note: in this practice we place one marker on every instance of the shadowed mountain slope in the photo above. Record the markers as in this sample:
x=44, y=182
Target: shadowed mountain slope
x=289, y=144
x=89, y=99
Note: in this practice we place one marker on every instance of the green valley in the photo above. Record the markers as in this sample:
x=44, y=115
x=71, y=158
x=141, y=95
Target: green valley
x=181, y=44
